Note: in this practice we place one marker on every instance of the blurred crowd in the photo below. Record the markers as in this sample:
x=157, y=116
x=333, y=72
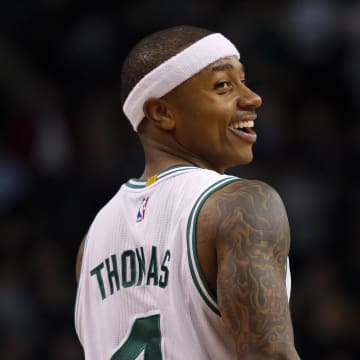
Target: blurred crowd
x=66, y=147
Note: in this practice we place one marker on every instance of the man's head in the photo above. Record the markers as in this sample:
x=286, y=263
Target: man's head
x=189, y=86
x=154, y=50
x=186, y=59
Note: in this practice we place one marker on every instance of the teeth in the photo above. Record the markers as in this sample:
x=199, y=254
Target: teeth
x=243, y=124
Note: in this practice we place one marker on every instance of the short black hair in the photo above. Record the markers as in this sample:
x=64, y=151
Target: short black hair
x=153, y=50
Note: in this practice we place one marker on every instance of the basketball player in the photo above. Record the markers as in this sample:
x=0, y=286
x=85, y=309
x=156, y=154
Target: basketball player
x=186, y=263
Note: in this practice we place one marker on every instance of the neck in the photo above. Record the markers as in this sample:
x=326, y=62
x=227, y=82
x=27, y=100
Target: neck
x=160, y=155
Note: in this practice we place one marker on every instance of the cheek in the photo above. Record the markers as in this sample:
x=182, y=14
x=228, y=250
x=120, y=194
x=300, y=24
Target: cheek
x=202, y=132
x=198, y=123
x=202, y=121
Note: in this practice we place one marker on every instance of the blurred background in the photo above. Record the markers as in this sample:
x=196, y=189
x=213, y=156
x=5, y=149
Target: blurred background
x=65, y=148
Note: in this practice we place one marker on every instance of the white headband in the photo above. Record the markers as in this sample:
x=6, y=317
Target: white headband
x=174, y=71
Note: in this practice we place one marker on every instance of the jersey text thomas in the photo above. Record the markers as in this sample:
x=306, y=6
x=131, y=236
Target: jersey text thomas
x=132, y=269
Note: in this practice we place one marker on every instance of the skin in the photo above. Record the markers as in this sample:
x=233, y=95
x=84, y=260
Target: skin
x=196, y=116
x=242, y=232
x=243, y=243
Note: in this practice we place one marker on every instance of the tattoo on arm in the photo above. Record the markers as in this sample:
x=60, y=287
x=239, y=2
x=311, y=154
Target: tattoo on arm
x=252, y=240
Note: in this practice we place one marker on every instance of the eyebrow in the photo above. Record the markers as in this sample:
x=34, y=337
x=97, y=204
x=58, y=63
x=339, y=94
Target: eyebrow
x=223, y=67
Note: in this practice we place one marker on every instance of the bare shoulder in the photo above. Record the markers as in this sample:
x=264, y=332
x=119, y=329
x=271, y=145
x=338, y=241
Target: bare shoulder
x=251, y=235
x=254, y=208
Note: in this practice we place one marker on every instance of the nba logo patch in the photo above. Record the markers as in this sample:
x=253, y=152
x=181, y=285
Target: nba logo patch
x=141, y=213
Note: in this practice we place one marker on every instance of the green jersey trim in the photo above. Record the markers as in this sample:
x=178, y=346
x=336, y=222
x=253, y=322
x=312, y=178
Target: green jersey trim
x=140, y=184
x=197, y=275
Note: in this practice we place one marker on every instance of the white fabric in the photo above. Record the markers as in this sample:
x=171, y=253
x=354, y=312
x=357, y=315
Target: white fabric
x=175, y=71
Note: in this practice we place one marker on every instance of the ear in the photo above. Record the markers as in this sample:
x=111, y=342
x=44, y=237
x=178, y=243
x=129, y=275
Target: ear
x=159, y=112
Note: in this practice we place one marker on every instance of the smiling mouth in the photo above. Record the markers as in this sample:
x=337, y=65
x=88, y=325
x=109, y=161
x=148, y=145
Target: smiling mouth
x=244, y=126
x=244, y=130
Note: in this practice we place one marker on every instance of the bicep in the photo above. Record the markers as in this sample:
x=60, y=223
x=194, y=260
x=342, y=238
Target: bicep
x=252, y=247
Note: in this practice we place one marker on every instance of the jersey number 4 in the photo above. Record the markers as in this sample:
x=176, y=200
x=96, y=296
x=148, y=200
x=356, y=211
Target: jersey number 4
x=145, y=336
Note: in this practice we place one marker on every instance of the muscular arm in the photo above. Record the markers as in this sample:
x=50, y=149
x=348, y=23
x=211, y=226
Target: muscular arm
x=252, y=243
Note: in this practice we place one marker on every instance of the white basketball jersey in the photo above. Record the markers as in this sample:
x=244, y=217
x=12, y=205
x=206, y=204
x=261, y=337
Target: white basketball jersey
x=142, y=294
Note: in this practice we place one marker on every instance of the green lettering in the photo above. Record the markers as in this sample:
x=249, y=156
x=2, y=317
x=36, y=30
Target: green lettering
x=153, y=267
x=128, y=254
x=97, y=271
x=163, y=281
x=112, y=274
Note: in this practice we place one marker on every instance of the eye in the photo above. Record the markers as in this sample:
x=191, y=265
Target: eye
x=223, y=86
x=243, y=81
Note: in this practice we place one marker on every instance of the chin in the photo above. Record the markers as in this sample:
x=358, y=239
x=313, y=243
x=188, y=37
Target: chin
x=247, y=161
x=246, y=157
x=241, y=157
x=243, y=160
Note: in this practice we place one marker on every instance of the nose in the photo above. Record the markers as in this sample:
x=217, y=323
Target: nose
x=248, y=99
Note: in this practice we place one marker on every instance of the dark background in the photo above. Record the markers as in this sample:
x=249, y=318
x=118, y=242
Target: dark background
x=65, y=148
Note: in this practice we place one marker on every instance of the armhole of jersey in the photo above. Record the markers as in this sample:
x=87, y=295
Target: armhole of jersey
x=196, y=273
x=76, y=320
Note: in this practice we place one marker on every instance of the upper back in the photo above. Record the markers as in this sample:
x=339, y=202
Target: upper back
x=141, y=271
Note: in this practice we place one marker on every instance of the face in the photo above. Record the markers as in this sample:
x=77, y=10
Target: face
x=214, y=112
